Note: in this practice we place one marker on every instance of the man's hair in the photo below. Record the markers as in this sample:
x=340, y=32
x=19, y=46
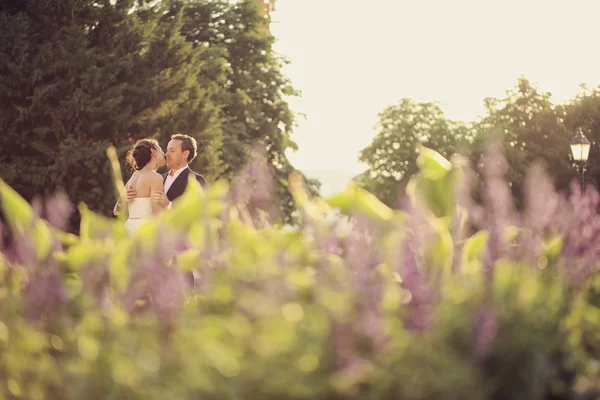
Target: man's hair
x=187, y=143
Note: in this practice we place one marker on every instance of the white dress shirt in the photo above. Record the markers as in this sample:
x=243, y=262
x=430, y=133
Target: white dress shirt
x=170, y=179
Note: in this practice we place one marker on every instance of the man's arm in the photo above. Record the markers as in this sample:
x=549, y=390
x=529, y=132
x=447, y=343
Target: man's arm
x=201, y=179
x=159, y=196
x=156, y=191
x=131, y=192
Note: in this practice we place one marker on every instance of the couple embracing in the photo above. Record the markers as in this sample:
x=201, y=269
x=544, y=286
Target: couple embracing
x=149, y=192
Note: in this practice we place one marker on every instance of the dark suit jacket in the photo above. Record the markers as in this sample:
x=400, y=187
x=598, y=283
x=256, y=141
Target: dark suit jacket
x=180, y=183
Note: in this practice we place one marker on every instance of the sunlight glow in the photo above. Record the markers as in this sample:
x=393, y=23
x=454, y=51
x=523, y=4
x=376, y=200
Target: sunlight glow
x=351, y=59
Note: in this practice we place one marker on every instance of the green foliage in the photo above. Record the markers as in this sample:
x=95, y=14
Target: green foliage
x=390, y=307
x=249, y=88
x=531, y=129
x=584, y=112
x=525, y=122
x=80, y=76
x=391, y=158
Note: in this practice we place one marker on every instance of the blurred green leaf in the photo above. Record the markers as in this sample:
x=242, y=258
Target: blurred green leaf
x=358, y=200
x=475, y=247
x=17, y=211
x=552, y=247
x=432, y=164
x=42, y=239
x=97, y=227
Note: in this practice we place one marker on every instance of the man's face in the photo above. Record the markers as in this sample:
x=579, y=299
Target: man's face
x=175, y=157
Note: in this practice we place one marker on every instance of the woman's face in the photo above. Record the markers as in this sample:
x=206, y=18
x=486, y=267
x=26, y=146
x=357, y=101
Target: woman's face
x=160, y=157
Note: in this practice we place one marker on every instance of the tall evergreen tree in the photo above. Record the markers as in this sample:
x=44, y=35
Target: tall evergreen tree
x=78, y=76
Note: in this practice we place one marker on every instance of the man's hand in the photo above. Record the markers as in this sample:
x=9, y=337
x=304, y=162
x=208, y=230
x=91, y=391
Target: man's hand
x=159, y=197
x=131, y=193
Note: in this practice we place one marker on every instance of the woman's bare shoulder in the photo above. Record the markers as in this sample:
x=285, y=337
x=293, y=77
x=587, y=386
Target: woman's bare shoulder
x=144, y=181
x=149, y=178
x=155, y=177
x=133, y=178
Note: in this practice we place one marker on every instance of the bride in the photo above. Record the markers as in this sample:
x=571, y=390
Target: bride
x=145, y=158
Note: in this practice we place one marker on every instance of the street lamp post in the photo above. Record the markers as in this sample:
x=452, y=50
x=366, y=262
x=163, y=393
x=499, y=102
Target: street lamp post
x=580, y=149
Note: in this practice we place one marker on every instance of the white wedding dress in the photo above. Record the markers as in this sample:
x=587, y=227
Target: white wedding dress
x=140, y=209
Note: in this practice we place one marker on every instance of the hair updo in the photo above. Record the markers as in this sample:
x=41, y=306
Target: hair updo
x=141, y=153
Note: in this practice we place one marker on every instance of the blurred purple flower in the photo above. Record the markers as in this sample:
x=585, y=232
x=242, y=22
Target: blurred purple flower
x=413, y=280
x=21, y=251
x=541, y=200
x=166, y=289
x=58, y=210
x=3, y=237
x=45, y=292
x=37, y=205
x=541, y=206
x=156, y=279
x=253, y=188
x=362, y=256
x=498, y=205
x=344, y=343
x=96, y=279
x=486, y=330
x=357, y=371
x=578, y=222
x=332, y=245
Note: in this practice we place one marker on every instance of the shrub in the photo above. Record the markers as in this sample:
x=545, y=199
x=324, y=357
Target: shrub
x=444, y=299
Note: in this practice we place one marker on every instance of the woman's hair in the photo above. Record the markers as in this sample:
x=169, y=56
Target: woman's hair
x=141, y=153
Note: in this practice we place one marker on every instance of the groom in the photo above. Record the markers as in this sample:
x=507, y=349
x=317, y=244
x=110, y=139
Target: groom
x=181, y=150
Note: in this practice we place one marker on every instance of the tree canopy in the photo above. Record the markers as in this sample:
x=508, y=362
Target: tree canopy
x=79, y=76
x=529, y=126
x=391, y=156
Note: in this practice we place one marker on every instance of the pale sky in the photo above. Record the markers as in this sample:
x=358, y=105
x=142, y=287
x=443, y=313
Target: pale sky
x=352, y=58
